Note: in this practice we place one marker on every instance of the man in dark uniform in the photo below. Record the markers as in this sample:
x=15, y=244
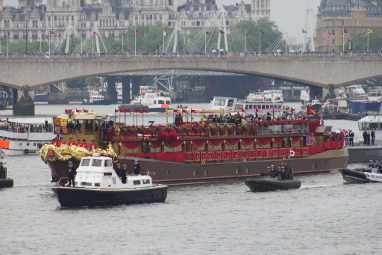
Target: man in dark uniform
x=118, y=170
x=373, y=137
x=286, y=170
x=123, y=174
x=364, y=137
x=71, y=173
x=371, y=165
x=137, y=167
x=351, y=138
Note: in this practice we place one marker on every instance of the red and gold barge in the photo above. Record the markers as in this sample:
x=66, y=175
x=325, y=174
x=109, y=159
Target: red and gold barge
x=203, y=152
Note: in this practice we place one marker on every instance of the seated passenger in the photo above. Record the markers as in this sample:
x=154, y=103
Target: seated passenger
x=93, y=145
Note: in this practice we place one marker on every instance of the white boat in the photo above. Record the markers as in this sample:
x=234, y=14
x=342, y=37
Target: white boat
x=304, y=95
x=257, y=105
x=222, y=103
x=118, y=88
x=21, y=136
x=274, y=96
x=97, y=184
x=374, y=96
x=353, y=92
x=157, y=101
x=96, y=98
x=255, y=97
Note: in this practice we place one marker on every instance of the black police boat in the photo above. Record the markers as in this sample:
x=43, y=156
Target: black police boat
x=272, y=181
x=5, y=182
x=97, y=184
x=361, y=176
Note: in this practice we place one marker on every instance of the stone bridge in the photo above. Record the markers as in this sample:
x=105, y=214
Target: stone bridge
x=25, y=75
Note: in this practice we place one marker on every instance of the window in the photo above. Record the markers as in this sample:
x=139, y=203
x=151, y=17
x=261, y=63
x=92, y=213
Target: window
x=97, y=184
x=85, y=162
x=343, y=23
x=107, y=174
x=155, y=102
x=333, y=42
x=333, y=32
x=168, y=102
x=333, y=23
x=97, y=162
x=108, y=163
x=138, y=182
x=146, y=181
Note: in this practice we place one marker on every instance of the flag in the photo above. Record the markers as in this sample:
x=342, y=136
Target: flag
x=8, y=32
x=82, y=33
x=184, y=111
x=310, y=111
x=208, y=33
x=291, y=153
x=292, y=110
x=127, y=110
x=261, y=31
x=2, y=154
x=221, y=31
x=369, y=31
x=304, y=32
x=346, y=30
x=137, y=32
x=164, y=33
x=60, y=126
x=94, y=32
x=246, y=32
x=194, y=111
x=176, y=110
x=286, y=34
x=137, y=110
x=116, y=110
x=329, y=33
x=144, y=111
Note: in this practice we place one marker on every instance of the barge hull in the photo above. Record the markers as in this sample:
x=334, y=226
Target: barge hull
x=166, y=172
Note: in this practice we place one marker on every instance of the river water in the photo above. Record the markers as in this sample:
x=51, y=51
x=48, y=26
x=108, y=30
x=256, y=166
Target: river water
x=325, y=216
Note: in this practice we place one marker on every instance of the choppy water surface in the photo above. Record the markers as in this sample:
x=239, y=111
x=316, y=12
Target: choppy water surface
x=325, y=216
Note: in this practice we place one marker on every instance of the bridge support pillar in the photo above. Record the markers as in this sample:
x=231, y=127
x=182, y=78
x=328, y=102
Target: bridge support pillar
x=331, y=93
x=136, y=80
x=126, y=89
x=23, y=102
x=112, y=91
x=315, y=92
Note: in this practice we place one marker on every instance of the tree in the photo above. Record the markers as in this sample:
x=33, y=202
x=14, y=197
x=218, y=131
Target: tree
x=358, y=40
x=268, y=37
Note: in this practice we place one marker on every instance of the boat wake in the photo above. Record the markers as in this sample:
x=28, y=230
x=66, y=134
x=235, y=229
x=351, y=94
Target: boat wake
x=317, y=186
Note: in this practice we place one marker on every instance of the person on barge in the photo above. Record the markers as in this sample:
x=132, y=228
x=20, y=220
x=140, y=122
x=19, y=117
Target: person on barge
x=71, y=142
x=93, y=145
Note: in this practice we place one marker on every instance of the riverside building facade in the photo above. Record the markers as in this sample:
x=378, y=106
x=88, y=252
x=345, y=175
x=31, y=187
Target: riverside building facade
x=111, y=17
x=336, y=15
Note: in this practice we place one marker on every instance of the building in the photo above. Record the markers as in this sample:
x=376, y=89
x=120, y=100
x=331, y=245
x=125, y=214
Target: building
x=111, y=17
x=336, y=15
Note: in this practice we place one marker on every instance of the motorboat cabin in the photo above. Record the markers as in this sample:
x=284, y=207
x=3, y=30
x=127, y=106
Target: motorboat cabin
x=157, y=101
x=222, y=103
x=275, y=96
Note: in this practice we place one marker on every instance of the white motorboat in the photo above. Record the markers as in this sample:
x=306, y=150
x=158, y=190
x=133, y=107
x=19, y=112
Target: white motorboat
x=255, y=97
x=274, y=96
x=96, y=98
x=97, y=184
x=374, y=96
x=20, y=136
x=157, y=101
x=222, y=103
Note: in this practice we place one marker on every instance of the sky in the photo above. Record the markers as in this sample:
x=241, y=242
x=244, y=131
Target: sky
x=288, y=15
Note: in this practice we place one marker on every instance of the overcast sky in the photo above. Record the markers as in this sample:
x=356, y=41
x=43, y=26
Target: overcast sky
x=288, y=15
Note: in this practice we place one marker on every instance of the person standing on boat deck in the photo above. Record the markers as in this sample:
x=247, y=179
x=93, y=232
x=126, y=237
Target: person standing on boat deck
x=123, y=173
x=118, y=170
x=71, y=173
x=368, y=138
x=364, y=134
x=71, y=142
x=137, y=167
x=373, y=136
x=351, y=138
x=93, y=145
x=371, y=165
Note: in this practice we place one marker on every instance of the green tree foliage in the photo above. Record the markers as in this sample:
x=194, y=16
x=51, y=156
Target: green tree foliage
x=270, y=35
x=33, y=47
x=92, y=81
x=359, y=41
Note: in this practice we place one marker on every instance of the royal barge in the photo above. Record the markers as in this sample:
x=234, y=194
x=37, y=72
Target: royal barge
x=202, y=151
